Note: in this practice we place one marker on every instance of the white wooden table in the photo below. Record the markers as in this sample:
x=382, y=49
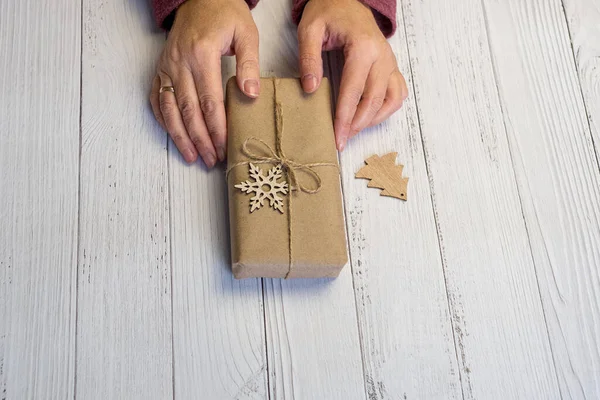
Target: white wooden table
x=114, y=274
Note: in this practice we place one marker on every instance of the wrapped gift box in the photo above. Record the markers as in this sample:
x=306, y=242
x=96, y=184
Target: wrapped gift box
x=283, y=143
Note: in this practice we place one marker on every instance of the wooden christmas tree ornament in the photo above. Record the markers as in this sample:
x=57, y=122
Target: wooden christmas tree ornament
x=385, y=174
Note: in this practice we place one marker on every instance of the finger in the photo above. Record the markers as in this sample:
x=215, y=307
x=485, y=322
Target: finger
x=189, y=106
x=155, y=102
x=372, y=99
x=395, y=95
x=245, y=45
x=354, y=76
x=173, y=122
x=403, y=85
x=207, y=77
x=310, y=40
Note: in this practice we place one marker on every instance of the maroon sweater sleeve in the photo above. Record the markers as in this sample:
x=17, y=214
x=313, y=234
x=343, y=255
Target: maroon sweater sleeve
x=383, y=10
x=164, y=10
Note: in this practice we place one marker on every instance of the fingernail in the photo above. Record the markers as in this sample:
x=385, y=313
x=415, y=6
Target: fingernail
x=210, y=160
x=251, y=87
x=189, y=155
x=341, y=144
x=221, y=153
x=310, y=82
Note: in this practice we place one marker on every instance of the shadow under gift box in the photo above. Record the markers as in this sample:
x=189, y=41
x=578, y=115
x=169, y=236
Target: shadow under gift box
x=260, y=241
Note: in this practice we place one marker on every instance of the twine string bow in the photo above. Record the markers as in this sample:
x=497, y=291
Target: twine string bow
x=291, y=167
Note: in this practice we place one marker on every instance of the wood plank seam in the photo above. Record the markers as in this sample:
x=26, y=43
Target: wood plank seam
x=576, y=65
x=170, y=214
x=457, y=333
x=123, y=312
x=449, y=300
x=514, y=173
x=266, y=348
x=78, y=194
x=542, y=256
x=329, y=57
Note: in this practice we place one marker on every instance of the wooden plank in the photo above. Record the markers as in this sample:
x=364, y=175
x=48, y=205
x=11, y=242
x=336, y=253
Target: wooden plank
x=557, y=174
x=499, y=326
x=583, y=19
x=39, y=164
x=312, y=339
x=406, y=335
x=311, y=328
x=124, y=299
x=218, y=323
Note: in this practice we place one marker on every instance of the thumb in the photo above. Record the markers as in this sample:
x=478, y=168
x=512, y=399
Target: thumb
x=245, y=45
x=310, y=40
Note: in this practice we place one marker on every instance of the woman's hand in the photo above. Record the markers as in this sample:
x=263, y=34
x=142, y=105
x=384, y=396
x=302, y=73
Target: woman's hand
x=372, y=88
x=194, y=115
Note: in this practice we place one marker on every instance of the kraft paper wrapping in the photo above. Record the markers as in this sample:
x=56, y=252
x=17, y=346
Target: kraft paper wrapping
x=260, y=240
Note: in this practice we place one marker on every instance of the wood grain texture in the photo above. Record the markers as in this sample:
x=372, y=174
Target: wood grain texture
x=218, y=323
x=218, y=327
x=498, y=321
x=557, y=175
x=385, y=174
x=218, y=336
x=312, y=339
x=406, y=335
x=124, y=297
x=583, y=19
x=311, y=329
x=39, y=160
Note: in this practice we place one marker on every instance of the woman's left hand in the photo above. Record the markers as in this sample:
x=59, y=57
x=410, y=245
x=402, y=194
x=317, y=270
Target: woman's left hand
x=372, y=88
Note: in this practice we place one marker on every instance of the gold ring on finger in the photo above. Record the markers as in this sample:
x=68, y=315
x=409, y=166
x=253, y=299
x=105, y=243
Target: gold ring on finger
x=166, y=89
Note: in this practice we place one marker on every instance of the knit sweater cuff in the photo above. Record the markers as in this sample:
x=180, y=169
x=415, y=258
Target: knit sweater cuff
x=383, y=10
x=164, y=11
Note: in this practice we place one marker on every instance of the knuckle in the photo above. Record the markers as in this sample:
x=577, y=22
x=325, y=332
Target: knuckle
x=201, y=47
x=249, y=64
x=199, y=142
x=208, y=104
x=247, y=39
x=375, y=104
x=177, y=137
x=214, y=130
x=250, y=32
x=354, y=130
x=309, y=29
x=391, y=57
x=354, y=95
x=163, y=102
x=168, y=115
x=345, y=123
x=365, y=48
x=188, y=108
x=397, y=104
x=395, y=100
x=167, y=108
x=173, y=54
x=308, y=61
x=371, y=50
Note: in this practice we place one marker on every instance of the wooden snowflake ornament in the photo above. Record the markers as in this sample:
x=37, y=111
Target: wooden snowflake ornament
x=385, y=174
x=264, y=187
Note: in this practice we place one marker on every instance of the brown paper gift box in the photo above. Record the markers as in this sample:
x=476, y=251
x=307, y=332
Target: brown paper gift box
x=260, y=241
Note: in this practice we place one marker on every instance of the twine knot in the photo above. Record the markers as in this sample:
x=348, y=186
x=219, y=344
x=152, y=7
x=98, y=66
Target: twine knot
x=290, y=166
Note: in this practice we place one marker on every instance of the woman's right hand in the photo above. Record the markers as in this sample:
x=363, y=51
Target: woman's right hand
x=194, y=115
